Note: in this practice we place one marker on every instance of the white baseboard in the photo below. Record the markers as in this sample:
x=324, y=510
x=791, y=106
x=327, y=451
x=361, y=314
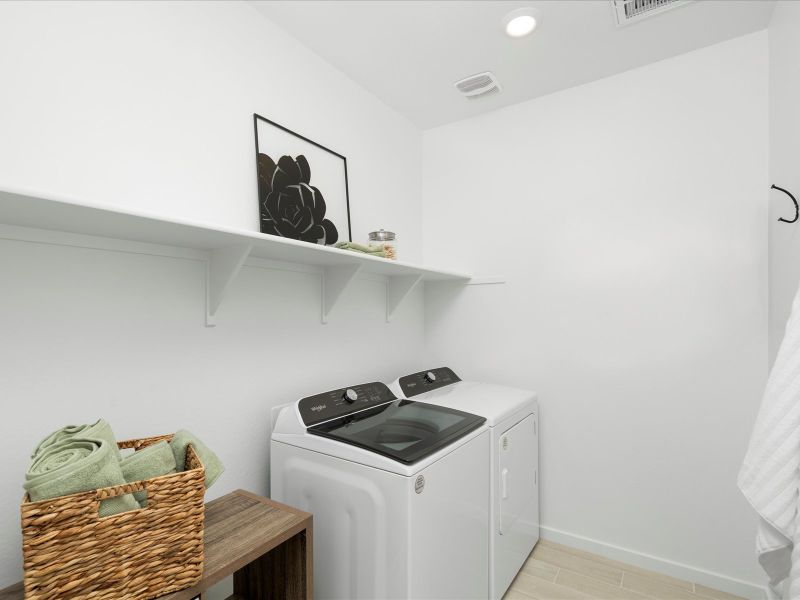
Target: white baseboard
x=738, y=587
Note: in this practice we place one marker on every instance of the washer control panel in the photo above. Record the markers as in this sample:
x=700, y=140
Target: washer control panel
x=338, y=403
x=425, y=381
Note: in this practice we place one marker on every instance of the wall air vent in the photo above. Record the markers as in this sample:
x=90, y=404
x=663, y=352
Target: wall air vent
x=477, y=86
x=632, y=11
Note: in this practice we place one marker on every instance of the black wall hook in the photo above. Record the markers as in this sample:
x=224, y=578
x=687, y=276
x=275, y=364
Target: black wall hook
x=796, y=207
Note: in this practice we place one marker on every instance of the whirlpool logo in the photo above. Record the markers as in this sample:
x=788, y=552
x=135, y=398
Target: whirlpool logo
x=319, y=407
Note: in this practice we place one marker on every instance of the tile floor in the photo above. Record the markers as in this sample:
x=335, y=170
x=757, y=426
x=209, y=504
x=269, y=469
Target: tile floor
x=556, y=572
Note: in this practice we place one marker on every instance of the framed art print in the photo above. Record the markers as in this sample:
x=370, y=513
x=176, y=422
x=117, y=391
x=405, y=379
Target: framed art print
x=302, y=186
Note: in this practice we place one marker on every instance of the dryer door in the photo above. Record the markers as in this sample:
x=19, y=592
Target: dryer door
x=518, y=456
x=517, y=501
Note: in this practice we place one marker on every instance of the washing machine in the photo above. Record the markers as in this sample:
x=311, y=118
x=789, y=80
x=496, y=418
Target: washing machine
x=399, y=490
x=513, y=456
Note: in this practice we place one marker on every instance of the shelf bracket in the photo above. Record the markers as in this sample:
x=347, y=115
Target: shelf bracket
x=397, y=290
x=486, y=281
x=335, y=280
x=222, y=267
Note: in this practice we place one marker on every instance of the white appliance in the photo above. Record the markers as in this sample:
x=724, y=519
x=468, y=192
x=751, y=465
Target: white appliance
x=512, y=416
x=399, y=491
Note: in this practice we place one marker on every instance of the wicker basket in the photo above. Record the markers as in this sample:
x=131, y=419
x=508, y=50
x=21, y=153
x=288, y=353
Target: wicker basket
x=69, y=551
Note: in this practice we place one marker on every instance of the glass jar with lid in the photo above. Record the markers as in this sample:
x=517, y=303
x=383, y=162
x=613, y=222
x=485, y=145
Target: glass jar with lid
x=386, y=240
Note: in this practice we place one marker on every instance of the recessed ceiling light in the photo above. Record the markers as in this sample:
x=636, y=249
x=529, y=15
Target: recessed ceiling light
x=521, y=22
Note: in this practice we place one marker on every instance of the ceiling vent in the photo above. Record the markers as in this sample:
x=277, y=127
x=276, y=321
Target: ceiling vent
x=477, y=86
x=632, y=11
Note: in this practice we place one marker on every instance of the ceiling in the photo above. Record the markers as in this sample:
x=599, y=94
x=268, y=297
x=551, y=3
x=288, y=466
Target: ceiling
x=409, y=53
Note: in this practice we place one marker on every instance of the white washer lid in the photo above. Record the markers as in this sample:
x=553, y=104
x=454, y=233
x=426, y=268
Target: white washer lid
x=495, y=402
x=290, y=429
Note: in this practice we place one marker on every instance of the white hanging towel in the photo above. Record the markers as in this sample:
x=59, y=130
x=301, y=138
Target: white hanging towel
x=770, y=475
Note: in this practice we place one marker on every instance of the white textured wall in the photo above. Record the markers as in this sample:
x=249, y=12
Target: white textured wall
x=629, y=218
x=149, y=106
x=784, y=165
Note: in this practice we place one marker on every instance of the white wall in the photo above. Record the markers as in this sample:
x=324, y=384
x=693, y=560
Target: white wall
x=784, y=100
x=149, y=106
x=628, y=217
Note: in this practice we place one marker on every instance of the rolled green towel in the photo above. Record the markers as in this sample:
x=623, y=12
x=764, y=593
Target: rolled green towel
x=359, y=247
x=100, y=430
x=211, y=462
x=78, y=465
x=379, y=251
x=151, y=461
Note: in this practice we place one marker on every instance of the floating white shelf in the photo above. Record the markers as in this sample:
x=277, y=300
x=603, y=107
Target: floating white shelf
x=225, y=250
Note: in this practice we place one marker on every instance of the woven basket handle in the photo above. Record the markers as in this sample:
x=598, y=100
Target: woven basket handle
x=140, y=443
x=120, y=490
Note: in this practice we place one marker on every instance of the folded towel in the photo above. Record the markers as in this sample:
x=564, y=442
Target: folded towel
x=383, y=251
x=78, y=465
x=211, y=462
x=151, y=461
x=359, y=247
x=98, y=431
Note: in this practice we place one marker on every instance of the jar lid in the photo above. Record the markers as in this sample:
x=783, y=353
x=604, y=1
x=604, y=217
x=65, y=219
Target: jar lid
x=381, y=236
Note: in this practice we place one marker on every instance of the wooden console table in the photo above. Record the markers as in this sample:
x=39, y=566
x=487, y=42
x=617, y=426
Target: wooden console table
x=266, y=546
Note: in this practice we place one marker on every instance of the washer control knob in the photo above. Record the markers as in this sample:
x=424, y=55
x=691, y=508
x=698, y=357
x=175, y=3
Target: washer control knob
x=430, y=376
x=350, y=395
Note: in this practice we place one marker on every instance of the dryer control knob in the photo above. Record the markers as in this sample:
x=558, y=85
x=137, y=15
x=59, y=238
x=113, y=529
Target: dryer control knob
x=430, y=376
x=350, y=395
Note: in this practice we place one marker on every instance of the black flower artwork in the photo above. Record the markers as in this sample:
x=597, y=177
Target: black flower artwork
x=290, y=206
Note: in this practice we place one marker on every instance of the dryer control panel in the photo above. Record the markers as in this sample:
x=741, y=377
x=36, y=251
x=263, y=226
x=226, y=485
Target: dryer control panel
x=425, y=381
x=338, y=403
